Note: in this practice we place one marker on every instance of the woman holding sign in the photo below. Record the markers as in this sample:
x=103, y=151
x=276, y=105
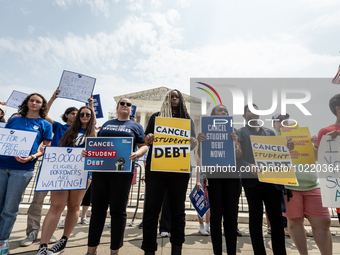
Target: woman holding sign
x=223, y=197
x=157, y=183
x=112, y=188
x=16, y=172
x=83, y=126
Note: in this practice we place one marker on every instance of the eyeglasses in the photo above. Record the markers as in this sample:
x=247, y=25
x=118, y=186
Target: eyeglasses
x=282, y=118
x=127, y=104
x=82, y=115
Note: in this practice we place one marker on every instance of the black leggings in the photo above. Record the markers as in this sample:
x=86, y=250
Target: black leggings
x=109, y=189
x=224, y=199
x=156, y=185
x=87, y=197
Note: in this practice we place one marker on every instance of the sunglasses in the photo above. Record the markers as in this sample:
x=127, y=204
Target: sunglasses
x=82, y=115
x=127, y=104
x=282, y=118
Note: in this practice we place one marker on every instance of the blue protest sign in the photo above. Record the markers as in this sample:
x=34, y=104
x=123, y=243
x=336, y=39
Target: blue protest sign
x=76, y=86
x=200, y=204
x=16, y=142
x=97, y=106
x=217, y=150
x=62, y=168
x=15, y=99
x=133, y=111
x=108, y=154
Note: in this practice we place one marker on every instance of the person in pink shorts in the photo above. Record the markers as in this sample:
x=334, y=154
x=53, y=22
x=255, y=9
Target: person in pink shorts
x=304, y=201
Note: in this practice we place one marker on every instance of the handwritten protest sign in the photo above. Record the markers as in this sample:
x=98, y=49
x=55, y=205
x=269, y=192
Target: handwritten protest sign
x=16, y=142
x=328, y=169
x=15, y=99
x=200, y=203
x=97, y=106
x=3, y=124
x=217, y=150
x=133, y=111
x=62, y=168
x=272, y=156
x=76, y=86
x=303, y=152
x=108, y=154
x=171, y=147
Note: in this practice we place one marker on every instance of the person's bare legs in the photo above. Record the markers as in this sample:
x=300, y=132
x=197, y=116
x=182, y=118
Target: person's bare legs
x=91, y=250
x=200, y=220
x=114, y=252
x=207, y=217
x=73, y=209
x=84, y=209
x=58, y=203
x=322, y=234
x=297, y=233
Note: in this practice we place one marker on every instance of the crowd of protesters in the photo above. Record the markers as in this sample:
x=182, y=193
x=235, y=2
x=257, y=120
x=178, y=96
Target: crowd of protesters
x=286, y=206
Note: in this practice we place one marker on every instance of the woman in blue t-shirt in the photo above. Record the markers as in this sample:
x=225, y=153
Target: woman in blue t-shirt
x=83, y=126
x=112, y=188
x=16, y=172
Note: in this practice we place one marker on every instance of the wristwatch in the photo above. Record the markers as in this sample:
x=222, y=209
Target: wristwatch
x=33, y=157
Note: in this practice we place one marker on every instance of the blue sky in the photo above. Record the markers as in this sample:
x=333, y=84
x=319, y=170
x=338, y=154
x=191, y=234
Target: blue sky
x=133, y=45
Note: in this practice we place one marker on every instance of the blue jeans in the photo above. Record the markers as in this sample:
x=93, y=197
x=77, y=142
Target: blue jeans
x=12, y=186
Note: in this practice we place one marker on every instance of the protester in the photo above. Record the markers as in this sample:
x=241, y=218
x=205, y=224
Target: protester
x=34, y=211
x=307, y=201
x=259, y=192
x=16, y=172
x=202, y=179
x=280, y=121
x=112, y=188
x=157, y=183
x=16, y=114
x=223, y=197
x=2, y=112
x=82, y=127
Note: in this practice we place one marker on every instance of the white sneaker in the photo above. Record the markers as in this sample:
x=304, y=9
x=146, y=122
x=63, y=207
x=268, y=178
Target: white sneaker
x=62, y=224
x=85, y=221
x=29, y=239
x=207, y=227
x=203, y=231
x=164, y=234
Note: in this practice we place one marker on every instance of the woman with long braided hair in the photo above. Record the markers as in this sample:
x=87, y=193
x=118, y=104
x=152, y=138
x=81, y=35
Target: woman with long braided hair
x=157, y=183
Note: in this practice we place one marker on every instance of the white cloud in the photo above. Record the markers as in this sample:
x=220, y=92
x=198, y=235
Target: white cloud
x=31, y=29
x=156, y=3
x=134, y=5
x=317, y=4
x=96, y=5
x=322, y=23
x=184, y=3
x=24, y=11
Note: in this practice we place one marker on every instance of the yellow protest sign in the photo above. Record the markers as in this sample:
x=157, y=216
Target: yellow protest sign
x=303, y=152
x=171, y=147
x=273, y=158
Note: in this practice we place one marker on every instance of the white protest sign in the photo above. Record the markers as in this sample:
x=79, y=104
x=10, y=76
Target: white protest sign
x=16, y=142
x=62, y=168
x=16, y=98
x=76, y=86
x=328, y=171
x=3, y=124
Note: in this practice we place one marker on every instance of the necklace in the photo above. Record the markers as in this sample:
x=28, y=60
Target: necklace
x=26, y=120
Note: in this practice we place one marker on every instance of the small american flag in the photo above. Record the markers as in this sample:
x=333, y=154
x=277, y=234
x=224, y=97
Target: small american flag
x=336, y=79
